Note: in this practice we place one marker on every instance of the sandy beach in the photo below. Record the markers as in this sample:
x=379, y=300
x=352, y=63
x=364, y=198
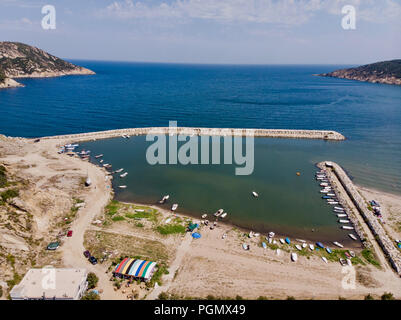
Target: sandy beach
x=49, y=182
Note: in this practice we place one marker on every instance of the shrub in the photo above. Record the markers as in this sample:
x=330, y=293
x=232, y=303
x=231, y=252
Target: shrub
x=171, y=229
x=90, y=296
x=369, y=297
x=92, y=280
x=9, y=194
x=387, y=296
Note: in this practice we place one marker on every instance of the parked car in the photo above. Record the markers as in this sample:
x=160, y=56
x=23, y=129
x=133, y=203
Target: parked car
x=69, y=233
x=92, y=260
x=53, y=245
x=87, y=254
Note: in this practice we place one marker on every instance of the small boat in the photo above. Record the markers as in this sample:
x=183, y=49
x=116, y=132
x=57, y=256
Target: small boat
x=223, y=215
x=326, y=197
x=164, y=199
x=294, y=257
x=347, y=254
x=343, y=221
x=324, y=184
x=174, y=207
x=88, y=182
x=347, y=228
x=119, y=170
x=256, y=235
x=312, y=247
x=304, y=245
x=324, y=191
x=105, y=164
x=251, y=234
x=218, y=212
x=338, y=244
x=139, y=210
x=352, y=253
x=264, y=245
x=298, y=247
x=270, y=240
x=333, y=202
x=101, y=161
x=245, y=246
x=324, y=259
x=282, y=241
x=320, y=245
x=343, y=262
x=352, y=237
x=99, y=156
x=349, y=262
x=255, y=194
x=341, y=215
x=204, y=216
x=278, y=251
x=122, y=187
x=328, y=250
x=331, y=194
x=338, y=211
x=224, y=236
x=123, y=175
x=287, y=240
x=339, y=208
x=271, y=234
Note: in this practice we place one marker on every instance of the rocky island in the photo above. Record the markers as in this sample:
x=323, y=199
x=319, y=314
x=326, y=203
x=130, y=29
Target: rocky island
x=19, y=60
x=387, y=72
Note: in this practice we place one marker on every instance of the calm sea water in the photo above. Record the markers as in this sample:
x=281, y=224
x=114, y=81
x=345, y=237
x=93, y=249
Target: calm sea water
x=124, y=95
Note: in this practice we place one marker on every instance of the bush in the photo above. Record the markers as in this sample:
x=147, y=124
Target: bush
x=9, y=194
x=387, y=296
x=171, y=229
x=369, y=297
x=90, y=296
x=92, y=280
x=3, y=176
x=1, y=291
x=163, y=296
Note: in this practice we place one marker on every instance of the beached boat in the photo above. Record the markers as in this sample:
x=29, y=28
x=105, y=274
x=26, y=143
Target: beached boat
x=282, y=241
x=278, y=251
x=343, y=221
x=352, y=253
x=304, y=245
x=122, y=187
x=256, y=235
x=174, y=207
x=324, y=259
x=294, y=257
x=342, y=262
x=224, y=236
x=218, y=212
x=245, y=246
x=99, y=156
x=312, y=247
x=298, y=247
x=88, y=182
x=300, y=240
x=251, y=234
x=271, y=234
x=264, y=245
x=347, y=228
x=338, y=244
x=123, y=175
x=287, y=240
x=270, y=240
x=349, y=262
x=255, y=194
x=328, y=250
x=119, y=170
x=352, y=237
x=204, y=216
x=320, y=245
x=223, y=215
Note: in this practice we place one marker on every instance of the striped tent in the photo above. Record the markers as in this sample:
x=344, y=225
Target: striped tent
x=135, y=268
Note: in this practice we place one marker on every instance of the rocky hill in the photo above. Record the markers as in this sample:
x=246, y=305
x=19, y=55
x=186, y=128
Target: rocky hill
x=18, y=60
x=388, y=72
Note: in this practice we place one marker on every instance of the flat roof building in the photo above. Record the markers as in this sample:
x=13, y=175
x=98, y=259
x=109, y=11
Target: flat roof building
x=51, y=284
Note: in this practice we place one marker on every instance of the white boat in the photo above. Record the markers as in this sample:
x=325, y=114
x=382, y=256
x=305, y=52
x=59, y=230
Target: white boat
x=278, y=251
x=300, y=240
x=139, y=210
x=88, y=182
x=256, y=235
x=304, y=245
x=341, y=215
x=223, y=215
x=338, y=211
x=204, y=216
x=270, y=240
x=99, y=156
x=218, y=212
x=119, y=170
x=251, y=234
x=294, y=257
x=312, y=247
x=349, y=262
x=245, y=246
x=174, y=207
x=338, y=244
x=101, y=161
x=164, y=199
x=122, y=187
x=298, y=247
x=271, y=234
x=324, y=191
x=331, y=194
x=352, y=237
x=333, y=202
x=347, y=228
x=339, y=208
x=167, y=220
x=123, y=175
x=224, y=236
x=324, y=259
x=324, y=184
x=343, y=221
x=282, y=241
x=255, y=194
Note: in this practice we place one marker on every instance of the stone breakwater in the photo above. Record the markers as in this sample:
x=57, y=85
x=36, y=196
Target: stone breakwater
x=387, y=245
x=270, y=133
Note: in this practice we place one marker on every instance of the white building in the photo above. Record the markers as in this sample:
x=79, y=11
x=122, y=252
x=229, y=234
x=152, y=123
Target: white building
x=51, y=284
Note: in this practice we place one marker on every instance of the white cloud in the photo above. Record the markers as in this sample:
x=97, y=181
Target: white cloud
x=286, y=12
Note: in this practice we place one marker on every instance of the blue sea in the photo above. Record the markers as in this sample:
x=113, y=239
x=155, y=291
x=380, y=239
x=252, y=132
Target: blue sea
x=124, y=95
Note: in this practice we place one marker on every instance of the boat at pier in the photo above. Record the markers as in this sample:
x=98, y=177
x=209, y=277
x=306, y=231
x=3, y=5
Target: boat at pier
x=174, y=207
x=338, y=244
x=352, y=236
x=123, y=175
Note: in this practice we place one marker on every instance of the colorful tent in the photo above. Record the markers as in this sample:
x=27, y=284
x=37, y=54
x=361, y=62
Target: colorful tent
x=135, y=268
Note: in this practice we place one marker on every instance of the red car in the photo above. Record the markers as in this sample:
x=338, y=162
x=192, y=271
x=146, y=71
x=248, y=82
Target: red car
x=69, y=233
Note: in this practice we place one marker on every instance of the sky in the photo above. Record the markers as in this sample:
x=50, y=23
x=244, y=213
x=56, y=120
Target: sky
x=209, y=31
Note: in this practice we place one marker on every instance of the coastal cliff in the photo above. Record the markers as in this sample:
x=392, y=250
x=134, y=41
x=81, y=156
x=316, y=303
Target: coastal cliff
x=386, y=72
x=18, y=60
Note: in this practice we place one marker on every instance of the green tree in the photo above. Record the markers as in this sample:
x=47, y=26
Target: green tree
x=90, y=296
x=92, y=280
x=387, y=296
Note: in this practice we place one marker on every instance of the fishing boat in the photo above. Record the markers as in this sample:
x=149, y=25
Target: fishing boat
x=324, y=259
x=304, y=245
x=328, y=250
x=218, y=212
x=333, y=202
x=320, y=245
x=204, y=216
x=164, y=199
x=123, y=175
x=331, y=194
x=312, y=247
x=298, y=247
x=294, y=257
x=223, y=215
x=271, y=234
x=339, y=208
x=324, y=184
x=122, y=187
x=245, y=246
x=255, y=194
x=347, y=228
x=282, y=241
x=338, y=244
x=287, y=240
x=99, y=156
x=343, y=221
x=349, y=262
x=341, y=215
x=352, y=237
x=119, y=170
x=264, y=245
x=174, y=207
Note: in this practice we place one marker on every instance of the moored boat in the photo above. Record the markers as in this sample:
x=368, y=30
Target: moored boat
x=294, y=257
x=218, y=212
x=287, y=240
x=312, y=247
x=174, y=207
x=223, y=215
x=122, y=187
x=255, y=194
x=99, y=156
x=338, y=244
x=298, y=247
x=343, y=221
x=124, y=175
x=352, y=236
x=347, y=227
x=328, y=250
x=204, y=216
x=324, y=259
x=282, y=241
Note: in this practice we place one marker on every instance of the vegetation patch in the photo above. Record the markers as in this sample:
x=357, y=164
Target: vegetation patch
x=3, y=176
x=9, y=194
x=112, y=208
x=369, y=256
x=171, y=229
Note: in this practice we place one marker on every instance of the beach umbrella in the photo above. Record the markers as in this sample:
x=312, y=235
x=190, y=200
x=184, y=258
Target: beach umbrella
x=196, y=235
